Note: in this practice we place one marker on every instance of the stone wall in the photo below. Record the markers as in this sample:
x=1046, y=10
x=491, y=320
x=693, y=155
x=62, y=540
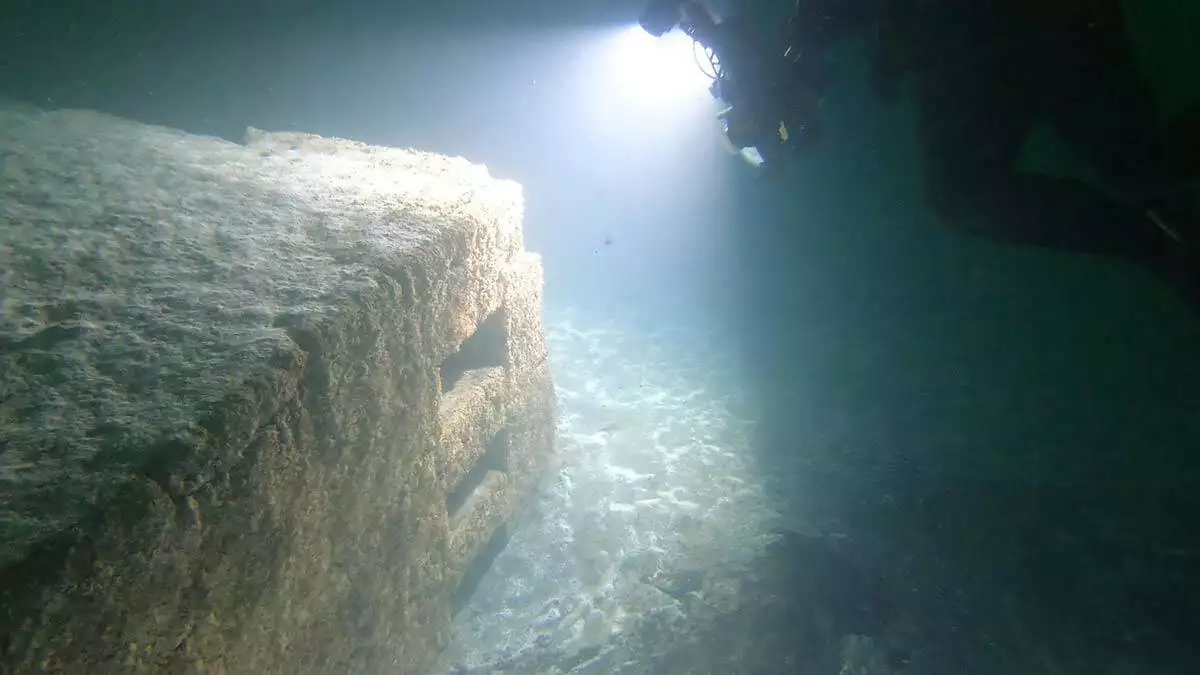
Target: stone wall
x=264, y=408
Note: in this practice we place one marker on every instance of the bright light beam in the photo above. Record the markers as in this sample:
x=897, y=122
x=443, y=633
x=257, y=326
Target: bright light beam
x=665, y=71
x=642, y=105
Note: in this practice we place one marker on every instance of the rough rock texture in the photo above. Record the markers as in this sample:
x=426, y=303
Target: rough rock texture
x=261, y=405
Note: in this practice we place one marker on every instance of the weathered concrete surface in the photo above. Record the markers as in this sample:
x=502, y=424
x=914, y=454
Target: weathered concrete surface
x=224, y=440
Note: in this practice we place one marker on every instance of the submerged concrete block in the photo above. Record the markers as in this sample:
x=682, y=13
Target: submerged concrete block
x=263, y=406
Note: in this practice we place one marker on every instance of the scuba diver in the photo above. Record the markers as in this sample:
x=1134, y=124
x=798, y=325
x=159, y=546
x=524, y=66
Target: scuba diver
x=772, y=104
x=986, y=74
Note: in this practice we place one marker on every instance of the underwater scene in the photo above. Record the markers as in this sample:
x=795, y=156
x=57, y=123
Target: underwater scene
x=666, y=337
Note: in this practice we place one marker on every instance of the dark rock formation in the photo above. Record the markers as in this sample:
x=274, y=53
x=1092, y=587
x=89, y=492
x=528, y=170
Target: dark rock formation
x=263, y=407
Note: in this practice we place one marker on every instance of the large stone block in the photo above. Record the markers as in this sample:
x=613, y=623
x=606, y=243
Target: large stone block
x=263, y=406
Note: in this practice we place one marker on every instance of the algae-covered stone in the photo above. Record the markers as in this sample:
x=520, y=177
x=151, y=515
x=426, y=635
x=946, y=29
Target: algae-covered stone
x=223, y=424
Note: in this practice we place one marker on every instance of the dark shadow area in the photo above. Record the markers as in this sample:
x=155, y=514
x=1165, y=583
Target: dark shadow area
x=486, y=348
x=479, y=567
x=1007, y=436
x=1018, y=453
x=495, y=458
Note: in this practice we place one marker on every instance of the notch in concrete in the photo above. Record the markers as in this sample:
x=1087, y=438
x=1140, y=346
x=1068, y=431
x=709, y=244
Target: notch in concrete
x=479, y=567
x=486, y=348
x=493, y=460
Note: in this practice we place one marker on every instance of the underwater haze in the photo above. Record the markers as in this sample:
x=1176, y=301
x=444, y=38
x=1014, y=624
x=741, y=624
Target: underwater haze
x=802, y=428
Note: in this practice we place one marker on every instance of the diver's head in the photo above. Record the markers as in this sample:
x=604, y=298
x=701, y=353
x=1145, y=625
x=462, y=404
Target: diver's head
x=660, y=16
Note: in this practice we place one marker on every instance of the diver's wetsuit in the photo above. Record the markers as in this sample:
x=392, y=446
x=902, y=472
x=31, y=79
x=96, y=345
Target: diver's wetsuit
x=988, y=71
x=757, y=83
